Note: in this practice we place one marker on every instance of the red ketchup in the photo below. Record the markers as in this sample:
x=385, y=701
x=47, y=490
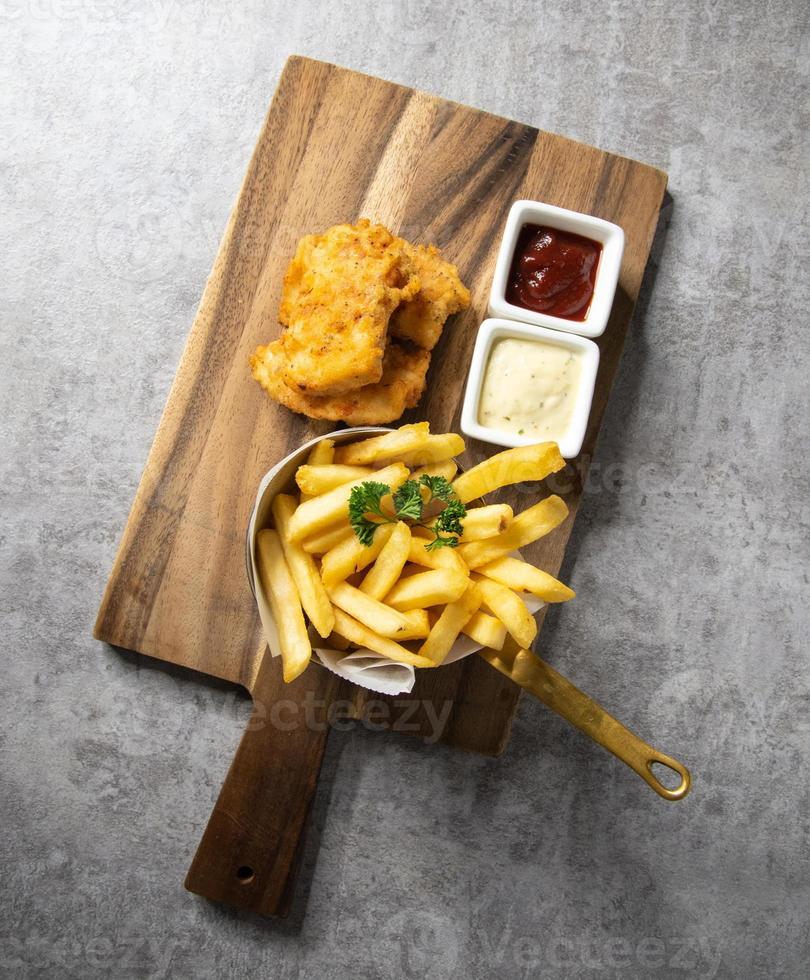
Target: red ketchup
x=553, y=272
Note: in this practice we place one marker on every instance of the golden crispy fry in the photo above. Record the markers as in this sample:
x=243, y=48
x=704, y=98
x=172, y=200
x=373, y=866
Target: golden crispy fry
x=447, y=469
x=314, y=515
x=435, y=449
x=389, y=564
x=321, y=454
x=445, y=630
x=350, y=556
x=315, y=480
x=339, y=292
x=304, y=571
x=285, y=604
x=391, y=445
x=437, y=558
x=441, y=293
x=418, y=625
x=325, y=540
x=511, y=466
x=431, y=588
x=486, y=630
x=523, y=577
x=485, y=522
x=401, y=387
x=530, y=525
x=367, y=639
x=378, y=617
x=509, y=608
x=411, y=444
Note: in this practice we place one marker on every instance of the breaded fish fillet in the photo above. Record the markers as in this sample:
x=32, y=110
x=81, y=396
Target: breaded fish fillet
x=441, y=293
x=339, y=292
x=401, y=386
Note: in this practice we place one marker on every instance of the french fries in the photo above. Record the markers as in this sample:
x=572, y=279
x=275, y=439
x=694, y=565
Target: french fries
x=438, y=558
x=433, y=588
x=367, y=639
x=350, y=556
x=327, y=539
x=418, y=625
x=321, y=454
x=485, y=522
x=375, y=615
x=512, y=466
x=529, y=525
x=303, y=569
x=486, y=630
x=445, y=630
x=389, y=446
x=435, y=449
x=403, y=574
x=285, y=604
x=389, y=564
x=314, y=515
x=315, y=480
x=523, y=577
x=509, y=608
x=412, y=445
x=447, y=469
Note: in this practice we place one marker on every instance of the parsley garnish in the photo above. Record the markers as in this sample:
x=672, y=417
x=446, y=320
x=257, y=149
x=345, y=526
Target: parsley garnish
x=408, y=500
x=448, y=523
x=366, y=513
x=364, y=500
x=439, y=487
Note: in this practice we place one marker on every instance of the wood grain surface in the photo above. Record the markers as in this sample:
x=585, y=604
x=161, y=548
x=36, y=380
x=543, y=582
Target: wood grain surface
x=337, y=145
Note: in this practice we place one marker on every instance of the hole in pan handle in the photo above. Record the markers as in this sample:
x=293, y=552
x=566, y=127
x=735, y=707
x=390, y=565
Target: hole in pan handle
x=556, y=692
x=676, y=792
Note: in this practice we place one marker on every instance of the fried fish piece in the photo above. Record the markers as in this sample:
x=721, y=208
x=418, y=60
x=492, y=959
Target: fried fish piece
x=401, y=386
x=339, y=292
x=441, y=293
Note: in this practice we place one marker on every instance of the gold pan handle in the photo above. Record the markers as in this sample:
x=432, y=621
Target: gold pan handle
x=538, y=678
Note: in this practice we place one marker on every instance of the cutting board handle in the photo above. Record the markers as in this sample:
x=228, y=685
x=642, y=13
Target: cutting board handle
x=249, y=852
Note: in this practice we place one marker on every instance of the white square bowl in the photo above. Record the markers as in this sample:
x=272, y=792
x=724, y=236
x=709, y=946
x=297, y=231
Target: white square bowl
x=493, y=330
x=611, y=238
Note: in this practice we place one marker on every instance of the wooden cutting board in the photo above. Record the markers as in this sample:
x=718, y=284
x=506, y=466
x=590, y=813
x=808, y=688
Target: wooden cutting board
x=336, y=145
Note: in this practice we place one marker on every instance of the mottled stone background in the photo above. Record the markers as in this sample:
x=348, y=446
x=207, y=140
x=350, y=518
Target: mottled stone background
x=125, y=129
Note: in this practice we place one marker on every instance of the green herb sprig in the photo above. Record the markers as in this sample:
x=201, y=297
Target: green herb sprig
x=366, y=513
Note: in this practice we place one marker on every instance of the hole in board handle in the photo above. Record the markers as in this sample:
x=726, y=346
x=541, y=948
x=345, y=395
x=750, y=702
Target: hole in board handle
x=245, y=874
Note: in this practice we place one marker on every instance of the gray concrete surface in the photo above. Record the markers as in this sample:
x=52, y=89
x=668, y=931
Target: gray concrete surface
x=124, y=133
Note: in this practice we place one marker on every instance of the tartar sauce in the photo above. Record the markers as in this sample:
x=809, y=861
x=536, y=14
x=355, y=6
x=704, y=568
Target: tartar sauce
x=530, y=388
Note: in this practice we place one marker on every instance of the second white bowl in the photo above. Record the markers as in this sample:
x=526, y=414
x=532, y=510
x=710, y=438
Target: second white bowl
x=490, y=331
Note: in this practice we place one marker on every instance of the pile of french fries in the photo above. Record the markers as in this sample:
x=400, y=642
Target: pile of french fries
x=397, y=597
